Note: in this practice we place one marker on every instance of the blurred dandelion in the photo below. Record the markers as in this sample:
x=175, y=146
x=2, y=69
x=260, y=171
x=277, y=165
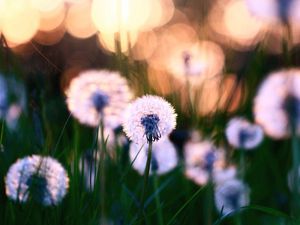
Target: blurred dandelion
x=12, y=101
x=149, y=118
x=277, y=103
x=3, y=97
x=239, y=34
x=195, y=62
x=240, y=133
x=96, y=95
x=202, y=160
x=41, y=178
x=272, y=10
x=164, y=157
x=231, y=195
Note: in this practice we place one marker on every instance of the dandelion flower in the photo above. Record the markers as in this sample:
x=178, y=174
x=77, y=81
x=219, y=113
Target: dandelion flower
x=273, y=10
x=149, y=118
x=164, y=157
x=202, y=160
x=277, y=103
x=40, y=178
x=231, y=195
x=242, y=134
x=97, y=94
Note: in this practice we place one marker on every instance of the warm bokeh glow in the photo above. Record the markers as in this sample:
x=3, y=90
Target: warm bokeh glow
x=161, y=12
x=235, y=26
x=145, y=45
x=196, y=62
x=127, y=15
x=220, y=93
x=162, y=82
x=245, y=27
x=46, y=5
x=51, y=20
x=50, y=37
x=168, y=40
x=19, y=20
x=79, y=22
x=108, y=41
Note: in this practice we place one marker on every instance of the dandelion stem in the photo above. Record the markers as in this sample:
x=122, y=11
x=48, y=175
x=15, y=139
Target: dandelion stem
x=295, y=188
x=209, y=201
x=242, y=164
x=2, y=132
x=157, y=201
x=102, y=169
x=146, y=176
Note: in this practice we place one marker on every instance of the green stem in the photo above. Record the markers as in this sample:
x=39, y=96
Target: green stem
x=157, y=201
x=295, y=188
x=287, y=44
x=239, y=219
x=146, y=177
x=209, y=201
x=102, y=169
x=242, y=164
x=2, y=132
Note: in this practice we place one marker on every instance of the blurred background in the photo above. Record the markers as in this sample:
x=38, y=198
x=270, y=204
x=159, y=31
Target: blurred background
x=206, y=57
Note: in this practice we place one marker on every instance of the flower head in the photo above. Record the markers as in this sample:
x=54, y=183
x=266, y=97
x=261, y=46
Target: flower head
x=97, y=94
x=149, y=118
x=202, y=160
x=164, y=156
x=272, y=10
x=277, y=103
x=241, y=133
x=231, y=195
x=40, y=178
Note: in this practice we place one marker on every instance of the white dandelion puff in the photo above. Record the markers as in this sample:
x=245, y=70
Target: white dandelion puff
x=97, y=94
x=164, y=157
x=149, y=118
x=231, y=195
x=240, y=133
x=202, y=160
x=273, y=10
x=277, y=103
x=41, y=178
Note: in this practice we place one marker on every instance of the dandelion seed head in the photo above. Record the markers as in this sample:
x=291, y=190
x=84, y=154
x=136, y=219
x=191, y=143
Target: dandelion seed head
x=149, y=118
x=96, y=94
x=164, y=157
x=100, y=100
x=277, y=103
x=40, y=178
x=202, y=160
x=231, y=195
x=151, y=129
x=272, y=11
x=240, y=133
